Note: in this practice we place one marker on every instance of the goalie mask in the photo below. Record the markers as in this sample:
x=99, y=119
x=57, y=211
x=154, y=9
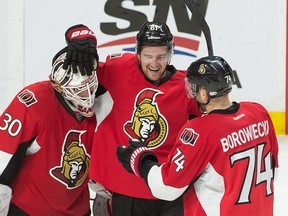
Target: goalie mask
x=213, y=73
x=78, y=90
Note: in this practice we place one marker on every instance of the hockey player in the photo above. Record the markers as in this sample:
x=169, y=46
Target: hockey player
x=46, y=136
x=223, y=162
x=150, y=105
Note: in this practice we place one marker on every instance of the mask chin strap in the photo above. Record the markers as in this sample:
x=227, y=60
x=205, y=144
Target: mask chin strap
x=199, y=105
x=203, y=104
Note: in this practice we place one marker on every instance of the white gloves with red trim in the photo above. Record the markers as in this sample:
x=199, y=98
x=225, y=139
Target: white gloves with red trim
x=5, y=197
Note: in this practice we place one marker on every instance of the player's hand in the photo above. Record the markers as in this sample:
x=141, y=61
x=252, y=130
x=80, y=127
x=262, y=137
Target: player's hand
x=131, y=156
x=81, y=50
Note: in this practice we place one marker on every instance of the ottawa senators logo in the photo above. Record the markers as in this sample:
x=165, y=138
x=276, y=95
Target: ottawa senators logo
x=147, y=123
x=189, y=136
x=74, y=162
x=27, y=97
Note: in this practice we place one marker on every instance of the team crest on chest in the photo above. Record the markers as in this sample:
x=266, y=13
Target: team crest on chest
x=147, y=124
x=75, y=161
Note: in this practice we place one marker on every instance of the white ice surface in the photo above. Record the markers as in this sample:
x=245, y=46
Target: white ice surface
x=281, y=184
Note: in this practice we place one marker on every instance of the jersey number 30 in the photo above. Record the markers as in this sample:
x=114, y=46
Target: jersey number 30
x=13, y=126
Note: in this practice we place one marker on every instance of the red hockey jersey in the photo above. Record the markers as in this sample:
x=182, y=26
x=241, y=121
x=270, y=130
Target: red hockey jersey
x=141, y=110
x=53, y=148
x=230, y=156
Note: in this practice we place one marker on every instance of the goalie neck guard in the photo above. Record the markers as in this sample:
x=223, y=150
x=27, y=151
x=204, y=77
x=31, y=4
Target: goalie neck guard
x=79, y=91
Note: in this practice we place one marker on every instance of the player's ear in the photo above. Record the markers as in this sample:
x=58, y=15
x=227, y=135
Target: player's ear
x=138, y=59
x=203, y=94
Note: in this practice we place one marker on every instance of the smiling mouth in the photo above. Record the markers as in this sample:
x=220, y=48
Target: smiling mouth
x=154, y=69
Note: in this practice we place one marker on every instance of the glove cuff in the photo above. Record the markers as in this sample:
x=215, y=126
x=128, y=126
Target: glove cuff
x=79, y=32
x=135, y=158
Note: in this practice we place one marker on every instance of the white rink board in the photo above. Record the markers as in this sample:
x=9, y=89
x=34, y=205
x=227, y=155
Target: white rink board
x=281, y=188
x=250, y=34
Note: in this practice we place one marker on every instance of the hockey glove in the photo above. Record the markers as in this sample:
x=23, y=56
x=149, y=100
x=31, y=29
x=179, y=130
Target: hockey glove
x=81, y=50
x=131, y=157
x=5, y=197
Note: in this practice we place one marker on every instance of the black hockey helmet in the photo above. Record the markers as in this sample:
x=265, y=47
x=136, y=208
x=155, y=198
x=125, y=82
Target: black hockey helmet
x=154, y=34
x=212, y=72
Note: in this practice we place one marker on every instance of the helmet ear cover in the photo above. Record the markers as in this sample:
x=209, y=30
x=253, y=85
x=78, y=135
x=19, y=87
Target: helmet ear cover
x=154, y=34
x=213, y=73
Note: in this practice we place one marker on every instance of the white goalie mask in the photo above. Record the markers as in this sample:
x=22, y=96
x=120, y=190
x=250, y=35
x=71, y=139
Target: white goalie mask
x=78, y=90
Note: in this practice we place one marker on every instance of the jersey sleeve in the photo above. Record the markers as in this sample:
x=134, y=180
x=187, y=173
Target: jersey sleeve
x=18, y=127
x=272, y=136
x=185, y=164
x=105, y=68
x=274, y=142
x=114, y=65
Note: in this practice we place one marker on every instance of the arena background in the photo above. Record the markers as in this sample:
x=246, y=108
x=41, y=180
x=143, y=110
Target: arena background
x=249, y=34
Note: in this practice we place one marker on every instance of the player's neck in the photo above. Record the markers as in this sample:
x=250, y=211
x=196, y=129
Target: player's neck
x=220, y=103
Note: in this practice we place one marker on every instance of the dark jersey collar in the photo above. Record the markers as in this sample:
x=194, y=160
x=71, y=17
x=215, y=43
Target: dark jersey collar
x=231, y=110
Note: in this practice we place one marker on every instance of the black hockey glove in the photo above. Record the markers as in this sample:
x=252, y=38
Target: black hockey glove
x=132, y=156
x=81, y=50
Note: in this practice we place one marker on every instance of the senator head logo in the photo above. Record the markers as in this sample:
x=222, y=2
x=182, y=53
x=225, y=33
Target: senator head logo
x=147, y=124
x=74, y=163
